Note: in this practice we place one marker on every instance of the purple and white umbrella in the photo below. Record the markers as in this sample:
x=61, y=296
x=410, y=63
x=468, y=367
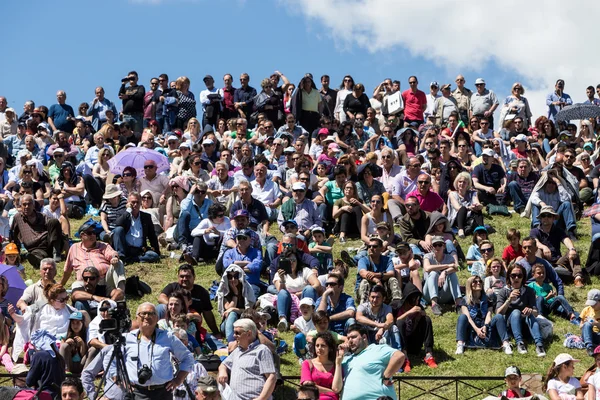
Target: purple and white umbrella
x=136, y=157
x=16, y=286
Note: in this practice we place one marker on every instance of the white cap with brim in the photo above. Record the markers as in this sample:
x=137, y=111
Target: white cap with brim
x=488, y=152
x=298, y=186
x=307, y=301
x=563, y=358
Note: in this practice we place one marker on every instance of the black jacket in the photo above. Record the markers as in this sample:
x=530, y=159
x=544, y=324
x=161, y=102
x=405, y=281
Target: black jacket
x=147, y=227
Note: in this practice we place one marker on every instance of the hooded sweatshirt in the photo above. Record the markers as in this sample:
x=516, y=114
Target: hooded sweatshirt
x=223, y=290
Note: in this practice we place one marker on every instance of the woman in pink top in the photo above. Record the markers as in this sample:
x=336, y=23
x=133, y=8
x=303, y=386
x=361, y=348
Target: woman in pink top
x=324, y=370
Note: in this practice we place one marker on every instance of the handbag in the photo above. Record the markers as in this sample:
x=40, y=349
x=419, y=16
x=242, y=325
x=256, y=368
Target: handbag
x=210, y=362
x=494, y=209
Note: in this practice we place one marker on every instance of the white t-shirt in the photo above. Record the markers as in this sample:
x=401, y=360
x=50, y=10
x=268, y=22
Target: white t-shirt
x=296, y=285
x=303, y=325
x=46, y=211
x=595, y=380
x=564, y=388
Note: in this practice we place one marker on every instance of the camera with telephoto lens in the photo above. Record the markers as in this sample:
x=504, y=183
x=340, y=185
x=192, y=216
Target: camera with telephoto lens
x=144, y=374
x=118, y=322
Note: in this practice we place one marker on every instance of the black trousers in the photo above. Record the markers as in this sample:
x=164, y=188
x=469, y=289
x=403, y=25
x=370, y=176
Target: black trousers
x=141, y=393
x=350, y=222
x=418, y=336
x=309, y=120
x=462, y=219
x=94, y=191
x=53, y=243
x=202, y=250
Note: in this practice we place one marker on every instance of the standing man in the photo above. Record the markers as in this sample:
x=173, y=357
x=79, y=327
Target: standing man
x=368, y=368
x=61, y=116
x=243, y=97
x=166, y=103
x=29, y=106
x=483, y=102
x=228, y=93
x=210, y=98
x=249, y=369
x=463, y=99
x=434, y=94
x=3, y=107
x=148, y=352
x=557, y=100
x=589, y=93
x=415, y=103
x=98, y=108
x=133, y=101
x=328, y=95
x=489, y=179
x=444, y=106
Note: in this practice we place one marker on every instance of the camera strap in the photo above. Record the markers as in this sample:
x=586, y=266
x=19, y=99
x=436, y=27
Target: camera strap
x=189, y=390
x=139, y=339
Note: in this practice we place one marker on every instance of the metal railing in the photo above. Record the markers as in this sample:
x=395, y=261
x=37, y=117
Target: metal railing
x=425, y=387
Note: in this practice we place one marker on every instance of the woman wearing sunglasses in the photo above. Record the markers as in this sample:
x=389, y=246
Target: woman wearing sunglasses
x=234, y=295
x=441, y=282
x=130, y=182
x=517, y=303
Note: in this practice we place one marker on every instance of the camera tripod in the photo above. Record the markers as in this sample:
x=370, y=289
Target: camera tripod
x=121, y=378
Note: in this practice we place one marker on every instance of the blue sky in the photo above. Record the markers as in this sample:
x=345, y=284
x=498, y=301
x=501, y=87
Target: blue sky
x=78, y=45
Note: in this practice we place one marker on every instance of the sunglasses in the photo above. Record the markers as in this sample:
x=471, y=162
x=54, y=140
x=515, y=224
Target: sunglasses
x=89, y=278
x=197, y=163
x=488, y=250
x=233, y=276
x=287, y=245
x=88, y=233
x=333, y=284
x=241, y=237
x=127, y=174
x=410, y=205
x=149, y=166
x=63, y=299
x=220, y=215
x=423, y=182
x=438, y=244
x=373, y=246
x=147, y=198
x=516, y=276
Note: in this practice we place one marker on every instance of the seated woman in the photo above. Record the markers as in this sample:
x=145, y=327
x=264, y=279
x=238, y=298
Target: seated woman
x=464, y=208
x=73, y=188
x=234, y=295
x=348, y=211
x=325, y=370
x=149, y=207
x=475, y=326
x=208, y=235
x=176, y=306
x=370, y=221
x=441, y=282
x=130, y=182
x=47, y=367
x=367, y=186
x=293, y=282
x=560, y=382
x=439, y=226
x=180, y=187
x=331, y=191
x=517, y=303
x=113, y=206
x=101, y=169
x=27, y=185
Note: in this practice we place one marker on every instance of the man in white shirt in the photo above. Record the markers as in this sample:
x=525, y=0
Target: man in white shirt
x=433, y=95
x=210, y=98
x=267, y=192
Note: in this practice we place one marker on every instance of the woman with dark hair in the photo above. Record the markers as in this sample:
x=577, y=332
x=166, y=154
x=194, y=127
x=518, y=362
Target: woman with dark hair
x=356, y=102
x=27, y=182
x=370, y=221
x=463, y=152
x=345, y=137
x=367, y=186
x=288, y=90
x=306, y=103
x=192, y=169
x=347, y=161
x=547, y=134
x=180, y=187
x=82, y=112
x=449, y=173
x=324, y=370
x=74, y=346
x=130, y=182
x=208, y=235
x=269, y=102
x=234, y=296
x=516, y=301
x=348, y=211
x=176, y=306
x=303, y=164
x=73, y=188
x=345, y=89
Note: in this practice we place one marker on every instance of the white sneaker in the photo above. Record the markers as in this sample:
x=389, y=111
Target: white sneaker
x=507, y=348
x=460, y=348
x=282, y=326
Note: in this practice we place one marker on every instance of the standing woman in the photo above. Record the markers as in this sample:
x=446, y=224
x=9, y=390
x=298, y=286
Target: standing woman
x=324, y=370
x=560, y=383
x=356, y=102
x=345, y=89
x=306, y=103
x=516, y=105
x=187, y=101
x=269, y=102
x=349, y=212
x=288, y=90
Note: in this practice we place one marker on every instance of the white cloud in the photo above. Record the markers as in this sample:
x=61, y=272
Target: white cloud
x=538, y=40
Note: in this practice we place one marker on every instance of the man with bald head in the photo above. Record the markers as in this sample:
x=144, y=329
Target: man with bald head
x=463, y=99
x=61, y=116
x=98, y=108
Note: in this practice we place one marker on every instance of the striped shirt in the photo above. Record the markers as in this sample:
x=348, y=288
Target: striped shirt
x=80, y=257
x=112, y=213
x=248, y=369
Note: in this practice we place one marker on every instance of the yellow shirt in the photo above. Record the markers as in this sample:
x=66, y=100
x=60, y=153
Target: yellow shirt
x=588, y=312
x=310, y=101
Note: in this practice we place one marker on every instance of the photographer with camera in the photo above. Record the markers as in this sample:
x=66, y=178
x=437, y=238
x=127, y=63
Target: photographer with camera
x=133, y=101
x=148, y=352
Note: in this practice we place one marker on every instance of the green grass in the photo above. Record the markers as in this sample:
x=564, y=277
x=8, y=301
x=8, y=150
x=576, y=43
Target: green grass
x=472, y=363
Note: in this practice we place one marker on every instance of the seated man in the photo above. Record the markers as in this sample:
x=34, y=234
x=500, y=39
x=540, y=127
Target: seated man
x=548, y=238
x=489, y=179
x=529, y=246
x=376, y=269
x=194, y=208
x=35, y=292
x=338, y=305
x=521, y=184
x=554, y=194
x=240, y=222
x=134, y=230
x=90, y=252
x=186, y=277
x=247, y=257
x=300, y=209
x=267, y=192
x=41, y=236
x=429, y=200
x=88, y=296
x=378, y=318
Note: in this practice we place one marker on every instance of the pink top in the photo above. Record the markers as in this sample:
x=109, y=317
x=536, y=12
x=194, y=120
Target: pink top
x=330, y=162
x=430, y=202
x=325, y=379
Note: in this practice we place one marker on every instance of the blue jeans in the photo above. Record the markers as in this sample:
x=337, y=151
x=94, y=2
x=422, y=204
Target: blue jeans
x=546, y=145
x=284, y=300
x=161, y=310
x=184, y=233
x=566, y=216
x=590, y=338
x=560, y=306
x=449, y=292
x=515, y=323
x=450, y=248
x=416, y=250
x=300, y=345
x=126, y=252
x=227, y=325
x=477, y=148
x=497, y=333
x=517, y=196
x=391, y=337
x=270, y=243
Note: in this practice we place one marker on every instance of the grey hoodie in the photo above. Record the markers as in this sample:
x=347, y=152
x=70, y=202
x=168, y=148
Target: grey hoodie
x=223, y=289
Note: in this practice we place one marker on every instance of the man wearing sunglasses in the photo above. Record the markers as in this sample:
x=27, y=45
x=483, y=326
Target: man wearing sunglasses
x=194, y=208
x=88, y=296
x=133, y=100
x=156, y=183
x=376, y=269
x=247, y=257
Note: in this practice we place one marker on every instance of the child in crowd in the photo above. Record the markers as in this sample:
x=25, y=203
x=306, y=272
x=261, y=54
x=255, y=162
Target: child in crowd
x=406, y=266
x=75, y=346
x=183, y=322
x=512, y=377
x=547, y=300
x=495, y=277
x=12, y=257
x=321, y=322
x=4, y=344
x=590, y=326
x=321, y=250
x=513, y=251
x=560, y=382
x=473, y=254
x=303, y=325
x=590, y=380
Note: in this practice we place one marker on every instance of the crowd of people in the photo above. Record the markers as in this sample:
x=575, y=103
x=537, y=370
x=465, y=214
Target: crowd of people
x=404, y=173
